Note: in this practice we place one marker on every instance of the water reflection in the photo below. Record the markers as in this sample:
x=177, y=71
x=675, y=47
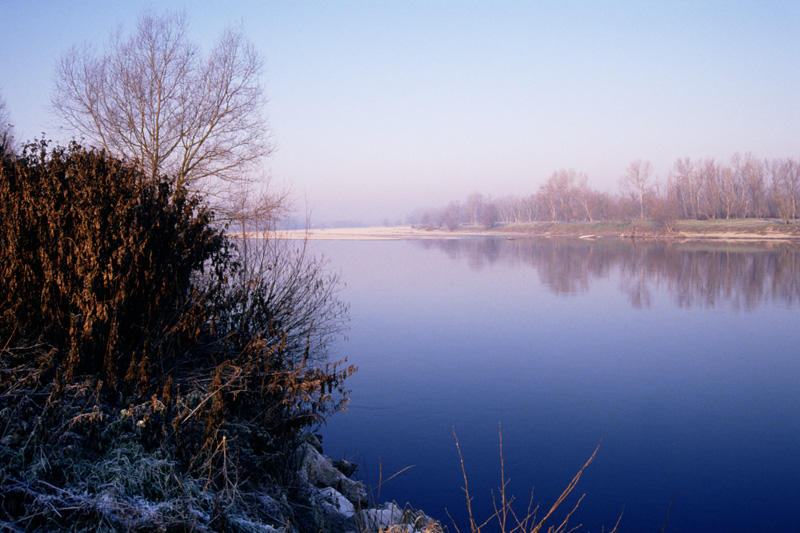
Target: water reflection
x=705, y=275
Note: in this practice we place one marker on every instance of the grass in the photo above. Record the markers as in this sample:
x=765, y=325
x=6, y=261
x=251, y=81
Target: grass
x=510, y=519
x=731, y=228
x=740, y=225
x=97, y=475
x=71, y=463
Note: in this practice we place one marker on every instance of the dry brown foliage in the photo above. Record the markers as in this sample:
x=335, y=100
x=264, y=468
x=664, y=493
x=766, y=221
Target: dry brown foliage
x=127, y=316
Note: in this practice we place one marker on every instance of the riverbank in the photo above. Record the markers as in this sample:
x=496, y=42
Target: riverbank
x=686, y=230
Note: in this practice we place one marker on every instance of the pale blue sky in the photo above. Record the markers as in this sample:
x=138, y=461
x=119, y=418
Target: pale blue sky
x=380, y=107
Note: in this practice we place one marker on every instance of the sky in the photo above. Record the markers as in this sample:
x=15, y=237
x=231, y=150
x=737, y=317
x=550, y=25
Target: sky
x=378, y=108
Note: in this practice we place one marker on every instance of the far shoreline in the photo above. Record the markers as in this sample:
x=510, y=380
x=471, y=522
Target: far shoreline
x=734, y=230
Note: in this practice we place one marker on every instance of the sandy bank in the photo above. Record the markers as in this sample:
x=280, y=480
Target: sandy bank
x=378, y=233
x=579, y=231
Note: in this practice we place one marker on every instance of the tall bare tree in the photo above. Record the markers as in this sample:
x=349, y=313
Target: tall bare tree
x=585, y=196
x=665, y=204
x=710, y=173
x=785, y=174
x=688, y=187
x=473, y=207
x=556, y=194
x=153, y=97
x=636, y=182
x=755, y=189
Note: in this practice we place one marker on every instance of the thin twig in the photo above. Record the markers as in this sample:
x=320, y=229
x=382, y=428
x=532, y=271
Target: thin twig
x=465, y=488
x=569, y=489
x=668, y=510
x=382, y=482
x=619, y=520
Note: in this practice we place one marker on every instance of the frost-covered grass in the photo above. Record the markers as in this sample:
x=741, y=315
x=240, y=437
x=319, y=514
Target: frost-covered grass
x=70, y=463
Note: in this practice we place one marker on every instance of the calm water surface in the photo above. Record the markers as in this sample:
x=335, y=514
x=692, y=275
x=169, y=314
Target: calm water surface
x=684, y=360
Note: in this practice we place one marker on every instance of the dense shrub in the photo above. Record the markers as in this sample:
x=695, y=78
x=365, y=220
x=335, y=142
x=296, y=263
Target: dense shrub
x=100, y=264
x=127, y=316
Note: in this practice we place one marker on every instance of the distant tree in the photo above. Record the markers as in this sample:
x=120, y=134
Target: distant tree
x=585, y=196
x=152, y=97
x=528, y=208
x=606, y=206
x=557, y=194
x=636, y=182
x=665, y=204
x=451, y=216
x=711, y=182
x=785, y=174
x=489, y=215
x=700, y=189
x=754, y=190
x=473, y=207
x=731, y=189
x=506, y=208
x=422, y=218
x=688, y=186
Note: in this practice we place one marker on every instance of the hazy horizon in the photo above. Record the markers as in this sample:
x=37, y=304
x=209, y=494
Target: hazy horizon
x=380, y=108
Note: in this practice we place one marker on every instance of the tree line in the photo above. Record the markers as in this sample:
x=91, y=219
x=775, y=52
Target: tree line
x=694, y=189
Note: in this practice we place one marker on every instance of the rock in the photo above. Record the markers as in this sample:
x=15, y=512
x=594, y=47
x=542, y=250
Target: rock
x=355, y=491
x=271, y=507
x=255, y=527
x=345, y=467
x=314, y=440
x=420, y=521
x=318, y=471
x=330, y=511
x=379, y=518
x=390, y=515
x=332, y=501
x=335, y=497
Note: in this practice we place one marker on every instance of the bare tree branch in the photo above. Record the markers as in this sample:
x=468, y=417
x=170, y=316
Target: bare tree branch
x=150, y=96
x=7, y=141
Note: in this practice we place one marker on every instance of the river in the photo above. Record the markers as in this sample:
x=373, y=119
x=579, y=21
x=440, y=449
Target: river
x=683, y=359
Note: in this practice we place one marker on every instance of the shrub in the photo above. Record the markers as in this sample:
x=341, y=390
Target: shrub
x=125, y=313
x=100, y=264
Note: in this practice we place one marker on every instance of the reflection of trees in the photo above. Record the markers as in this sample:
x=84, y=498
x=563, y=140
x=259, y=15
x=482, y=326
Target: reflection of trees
x=477, y=252
x=695, y=275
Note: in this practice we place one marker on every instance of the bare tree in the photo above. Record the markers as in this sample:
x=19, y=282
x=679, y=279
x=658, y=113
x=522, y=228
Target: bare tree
x=785, y=174
x=490, y=215
x=754, y=186
x=528, y=208
x=636, y=182
x=451, y=216
x=473, y=207
x=506, y=209
x=152, y=97
x=6, y=128
x=585, y=196
x=556, y=194
x=688, y=186
x=665, y=204
x=711, y=182
x=731, y=189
